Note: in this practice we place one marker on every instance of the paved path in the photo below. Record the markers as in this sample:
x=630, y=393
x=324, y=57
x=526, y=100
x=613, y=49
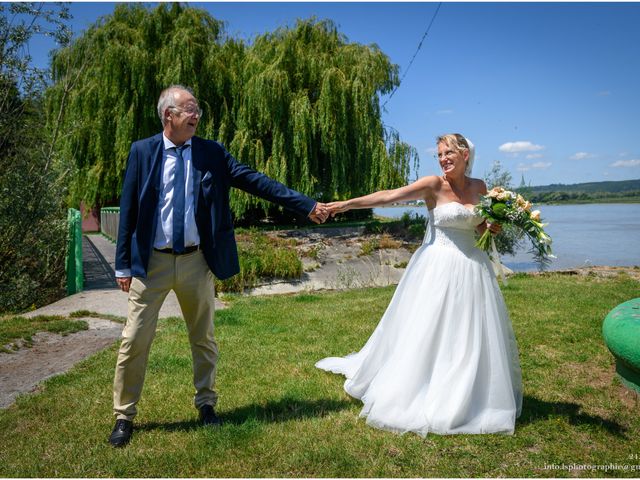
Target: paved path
x=51, y=354
x=98, y=262
x=101, y=293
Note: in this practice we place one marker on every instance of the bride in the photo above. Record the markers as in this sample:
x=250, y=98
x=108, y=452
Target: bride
x=443, y=358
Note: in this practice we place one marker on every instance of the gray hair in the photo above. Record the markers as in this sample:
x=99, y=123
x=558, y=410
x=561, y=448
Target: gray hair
x=167, y=99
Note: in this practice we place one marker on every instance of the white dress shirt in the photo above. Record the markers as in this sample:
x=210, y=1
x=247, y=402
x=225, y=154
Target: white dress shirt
x=164, y=227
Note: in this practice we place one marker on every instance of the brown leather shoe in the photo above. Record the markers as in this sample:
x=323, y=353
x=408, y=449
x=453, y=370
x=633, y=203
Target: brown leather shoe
x=208, y=416
x=121, y=433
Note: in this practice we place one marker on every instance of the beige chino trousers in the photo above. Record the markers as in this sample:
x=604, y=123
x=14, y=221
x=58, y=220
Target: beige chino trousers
x=192, y=281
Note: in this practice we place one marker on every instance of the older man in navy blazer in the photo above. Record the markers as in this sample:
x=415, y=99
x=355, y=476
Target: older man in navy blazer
x=175, y=232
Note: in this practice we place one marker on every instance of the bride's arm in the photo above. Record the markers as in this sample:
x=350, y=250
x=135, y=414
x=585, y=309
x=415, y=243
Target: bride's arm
x=418, y=190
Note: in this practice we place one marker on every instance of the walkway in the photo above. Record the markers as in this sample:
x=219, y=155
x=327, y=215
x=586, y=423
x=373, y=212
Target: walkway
x=51, y=354
x=101, y=294
x=98, y=262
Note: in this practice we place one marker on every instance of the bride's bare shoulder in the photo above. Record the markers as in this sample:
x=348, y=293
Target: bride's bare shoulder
x=430, y=187
x=478, y=185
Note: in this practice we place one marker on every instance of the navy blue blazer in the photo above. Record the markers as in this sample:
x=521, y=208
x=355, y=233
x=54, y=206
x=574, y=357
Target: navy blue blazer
x=215, y=172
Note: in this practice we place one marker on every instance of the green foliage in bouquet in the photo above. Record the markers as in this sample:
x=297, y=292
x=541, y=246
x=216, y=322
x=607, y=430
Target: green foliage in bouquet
x=508, y=208
x=510, y=239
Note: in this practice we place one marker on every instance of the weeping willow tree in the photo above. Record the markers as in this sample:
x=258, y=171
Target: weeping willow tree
x=300, y=104
x=122, y=63
x=309, y=115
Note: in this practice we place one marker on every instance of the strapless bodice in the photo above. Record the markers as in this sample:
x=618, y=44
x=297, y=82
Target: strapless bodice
x=453, y=225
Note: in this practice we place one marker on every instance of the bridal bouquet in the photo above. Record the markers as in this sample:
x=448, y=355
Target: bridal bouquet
x=506, y=207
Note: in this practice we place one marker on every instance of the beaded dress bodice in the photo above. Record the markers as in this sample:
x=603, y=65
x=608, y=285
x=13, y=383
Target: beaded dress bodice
x=452, y=225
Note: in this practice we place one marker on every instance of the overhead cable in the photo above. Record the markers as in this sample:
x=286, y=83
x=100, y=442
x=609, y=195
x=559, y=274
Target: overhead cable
x=414, y=55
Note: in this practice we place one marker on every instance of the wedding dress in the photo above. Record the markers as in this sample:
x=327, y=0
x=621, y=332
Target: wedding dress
x=443, y=358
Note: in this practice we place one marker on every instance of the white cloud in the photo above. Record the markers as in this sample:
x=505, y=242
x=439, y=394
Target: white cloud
x=521, y=146
x=581, y=156
x=541, y=165
x=626, y=163
x=534, y=155
x=604, y=93
x=444, y=112
x=525, y=167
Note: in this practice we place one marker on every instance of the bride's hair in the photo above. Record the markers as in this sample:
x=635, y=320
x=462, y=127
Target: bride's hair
x=454, y=140
x=460, y=143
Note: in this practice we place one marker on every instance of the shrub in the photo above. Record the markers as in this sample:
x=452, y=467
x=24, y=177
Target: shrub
x=33, y=217
x=374, y=226
x=368, y=247
x=262, y=257
x=417, y=231
x=32, y=212
x=386, y=241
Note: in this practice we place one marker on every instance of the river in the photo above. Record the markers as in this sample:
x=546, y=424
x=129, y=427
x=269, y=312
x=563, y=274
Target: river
x=583, y=235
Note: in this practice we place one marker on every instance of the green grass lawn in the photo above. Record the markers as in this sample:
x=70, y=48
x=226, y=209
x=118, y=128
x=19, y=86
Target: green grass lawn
x=285, y=418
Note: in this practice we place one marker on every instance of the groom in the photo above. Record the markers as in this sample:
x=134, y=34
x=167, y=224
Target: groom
x=175, y=232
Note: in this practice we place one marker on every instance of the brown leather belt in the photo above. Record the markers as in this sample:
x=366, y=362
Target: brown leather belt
x=191, y=249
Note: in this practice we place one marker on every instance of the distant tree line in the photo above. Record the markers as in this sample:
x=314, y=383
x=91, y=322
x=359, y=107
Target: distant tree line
x=628, y=190
x=590, y=187
x=561, y=196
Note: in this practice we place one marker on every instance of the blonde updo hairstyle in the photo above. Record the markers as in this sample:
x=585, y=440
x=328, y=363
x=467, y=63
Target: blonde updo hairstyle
x=459, y=143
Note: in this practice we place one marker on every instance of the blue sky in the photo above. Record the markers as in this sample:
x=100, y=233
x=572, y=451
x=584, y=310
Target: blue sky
x=548, y=89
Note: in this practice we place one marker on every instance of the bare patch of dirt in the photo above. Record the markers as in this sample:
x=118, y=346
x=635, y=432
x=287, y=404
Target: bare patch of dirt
x=51, y=354
x=604, y=380
x=596, y=271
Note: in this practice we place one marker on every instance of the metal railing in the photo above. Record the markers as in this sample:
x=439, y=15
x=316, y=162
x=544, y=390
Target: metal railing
x=75, y=278
x=109, y=219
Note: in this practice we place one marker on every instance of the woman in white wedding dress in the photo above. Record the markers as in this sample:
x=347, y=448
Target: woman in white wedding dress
x=443, y=358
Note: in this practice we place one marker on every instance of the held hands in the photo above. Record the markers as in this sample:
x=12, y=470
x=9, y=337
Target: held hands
x=337, y=207
x=320, y=213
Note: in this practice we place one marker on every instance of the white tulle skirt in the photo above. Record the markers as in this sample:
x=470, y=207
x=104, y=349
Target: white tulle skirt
x=443, y=358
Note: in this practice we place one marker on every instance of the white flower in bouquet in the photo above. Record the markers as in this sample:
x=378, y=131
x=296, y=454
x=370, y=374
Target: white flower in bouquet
x=506, y=207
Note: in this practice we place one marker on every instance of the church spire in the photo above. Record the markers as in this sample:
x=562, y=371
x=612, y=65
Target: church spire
x=522, y=182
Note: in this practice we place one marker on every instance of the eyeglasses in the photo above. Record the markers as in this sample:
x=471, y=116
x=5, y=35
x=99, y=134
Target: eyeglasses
x=190, y=110
x=448, y=154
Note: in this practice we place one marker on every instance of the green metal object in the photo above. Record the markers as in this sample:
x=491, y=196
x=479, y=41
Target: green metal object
x=621, y=332
x=75, y=278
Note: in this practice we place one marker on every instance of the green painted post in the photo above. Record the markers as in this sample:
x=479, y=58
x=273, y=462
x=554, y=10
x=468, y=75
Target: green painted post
x=70, y=263
x=621, y=332
x=78, y=244
x=75, y=278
